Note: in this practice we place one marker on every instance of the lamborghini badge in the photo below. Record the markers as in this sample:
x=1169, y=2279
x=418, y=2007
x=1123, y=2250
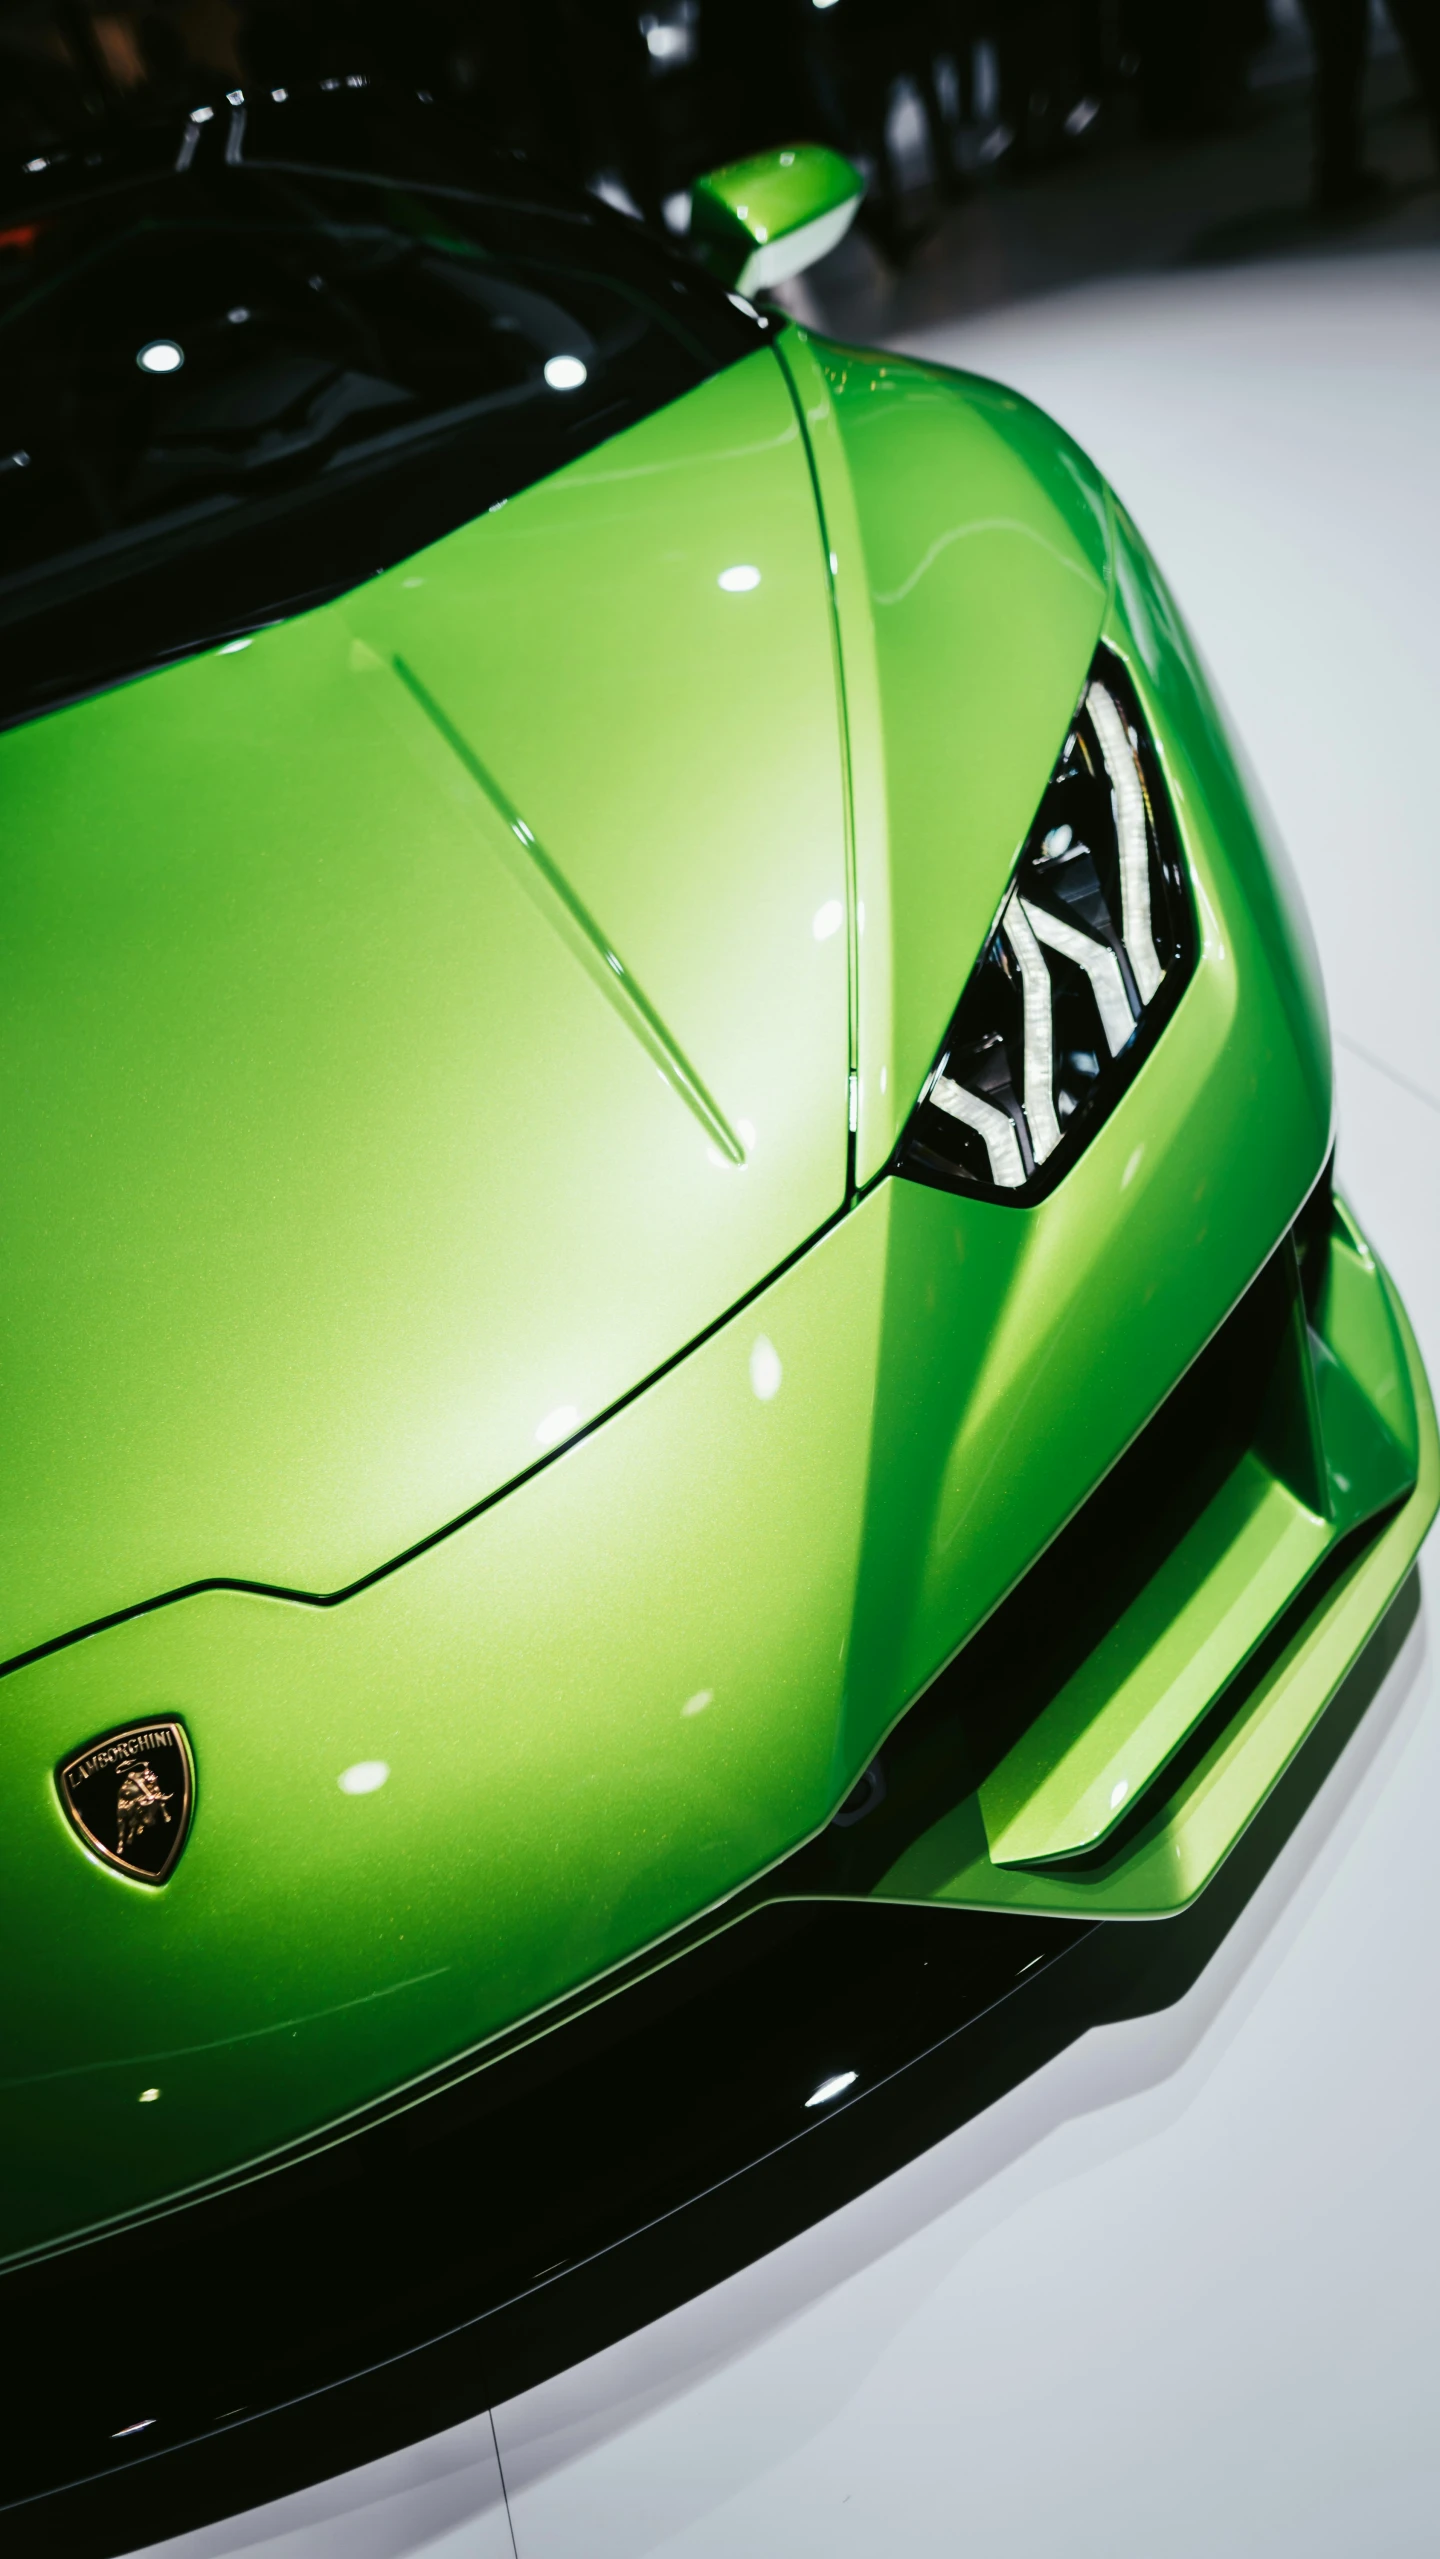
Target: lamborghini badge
x=130, y=1796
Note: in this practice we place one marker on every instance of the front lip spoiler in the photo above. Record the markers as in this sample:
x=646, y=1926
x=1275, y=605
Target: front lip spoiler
x=516, y=2221
x=1261, y=1656
x=491, y=2229
x=1163, y=1858
x=441, y=2258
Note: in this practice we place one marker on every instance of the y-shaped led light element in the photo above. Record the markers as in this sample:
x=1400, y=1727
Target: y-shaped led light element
x=1039, y=1093
x=1137, y=929
x=1100, y=966
x=1007, y=1165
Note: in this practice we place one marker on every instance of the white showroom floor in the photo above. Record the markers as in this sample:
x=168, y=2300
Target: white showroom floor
x=1178, y=2295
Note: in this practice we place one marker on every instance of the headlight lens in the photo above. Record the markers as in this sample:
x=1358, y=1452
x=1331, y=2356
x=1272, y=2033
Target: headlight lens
x=1090, y=952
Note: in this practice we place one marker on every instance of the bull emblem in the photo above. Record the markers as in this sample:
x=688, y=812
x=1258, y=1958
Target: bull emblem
x=140, y=1802
x=130, y=1795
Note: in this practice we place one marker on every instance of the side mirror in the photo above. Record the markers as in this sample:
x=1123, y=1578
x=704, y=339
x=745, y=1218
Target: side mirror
x=758, y=221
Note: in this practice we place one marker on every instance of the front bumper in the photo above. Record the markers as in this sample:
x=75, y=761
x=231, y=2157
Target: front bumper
x=516, y=2214
x=618, y=1703
x=1103, y=1743
x=302, y=1967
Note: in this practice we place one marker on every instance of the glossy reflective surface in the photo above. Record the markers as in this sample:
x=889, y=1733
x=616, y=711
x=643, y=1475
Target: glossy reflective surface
x=415, y=1027
x=1177, y=2294
x=653, y=2105
x=352, y=1234
x=759, y=220
x=701, y=2152
x=248, y=359
x=1177, y=2290
x=652, y=1670
x=972, y=567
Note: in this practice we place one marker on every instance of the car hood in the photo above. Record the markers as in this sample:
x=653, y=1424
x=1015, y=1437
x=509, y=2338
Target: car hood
x=424, y=1020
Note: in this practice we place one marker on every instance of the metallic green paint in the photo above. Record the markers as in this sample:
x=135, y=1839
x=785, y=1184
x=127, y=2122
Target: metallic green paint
x=1067, y=1784
x=340, y=1159
x=334, y=1170
x=971, y=561
x=1181, y=1845
x=757, y=221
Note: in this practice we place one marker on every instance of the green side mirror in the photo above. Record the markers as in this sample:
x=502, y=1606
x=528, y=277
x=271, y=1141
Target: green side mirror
x=758, y=221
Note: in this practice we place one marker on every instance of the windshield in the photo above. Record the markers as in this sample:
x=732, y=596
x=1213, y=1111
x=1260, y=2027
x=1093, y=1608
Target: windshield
x=249, y=360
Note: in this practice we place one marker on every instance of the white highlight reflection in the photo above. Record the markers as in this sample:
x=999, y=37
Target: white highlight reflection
x=162, y=355
x=766, y=1371
x=828, y=919
x=365, y=1778
x=835, y=2087
x=556, y=1426
x=566, y=372
x=741, y=580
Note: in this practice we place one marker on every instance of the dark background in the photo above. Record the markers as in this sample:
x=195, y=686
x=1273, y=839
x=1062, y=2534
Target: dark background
x=1010, y=146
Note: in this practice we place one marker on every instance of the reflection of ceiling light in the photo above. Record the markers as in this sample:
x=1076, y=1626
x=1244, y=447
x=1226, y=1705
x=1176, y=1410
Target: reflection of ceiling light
x=161, y=356
x=766, y=1372
x=671, y=38
x=566, y=372
x=842, y=2080
x=738, y=581
x=365, y=1778
x=563, y=1421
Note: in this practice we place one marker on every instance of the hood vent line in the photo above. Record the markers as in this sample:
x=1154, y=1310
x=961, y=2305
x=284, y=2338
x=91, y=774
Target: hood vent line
x=545, y=883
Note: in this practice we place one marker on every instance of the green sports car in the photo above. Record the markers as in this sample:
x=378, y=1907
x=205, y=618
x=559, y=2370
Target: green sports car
x=657, y=1085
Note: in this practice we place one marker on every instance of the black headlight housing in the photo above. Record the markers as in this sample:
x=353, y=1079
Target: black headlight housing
x=1088, y=957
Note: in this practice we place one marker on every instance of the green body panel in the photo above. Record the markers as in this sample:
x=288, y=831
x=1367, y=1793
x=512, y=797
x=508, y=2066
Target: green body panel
x=338, y=1157
x=758, y=220
x=971, y=560
x=1177, y=1850
x=1114, y=1725
x=1118, y=1721
x=617, y=1696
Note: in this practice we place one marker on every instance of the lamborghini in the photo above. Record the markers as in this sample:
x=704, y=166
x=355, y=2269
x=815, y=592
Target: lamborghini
x=663, y=1099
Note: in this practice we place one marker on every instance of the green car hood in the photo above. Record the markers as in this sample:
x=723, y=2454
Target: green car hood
x=426, y=1019
x=330, y=1132
x=421, y=1022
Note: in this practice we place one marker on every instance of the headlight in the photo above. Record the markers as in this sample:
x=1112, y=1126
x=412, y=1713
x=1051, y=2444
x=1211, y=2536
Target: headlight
x=1088, y=957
